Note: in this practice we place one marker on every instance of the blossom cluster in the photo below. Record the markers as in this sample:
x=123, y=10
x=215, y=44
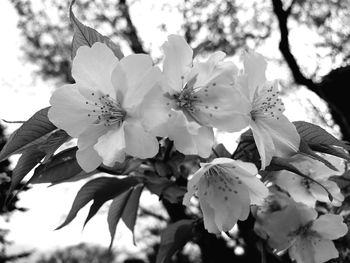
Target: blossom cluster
x=122, y=107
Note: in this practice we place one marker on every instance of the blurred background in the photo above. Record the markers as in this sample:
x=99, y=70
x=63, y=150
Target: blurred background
x=307, y=44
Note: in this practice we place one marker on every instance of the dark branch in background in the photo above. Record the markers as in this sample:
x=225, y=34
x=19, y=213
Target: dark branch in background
x=130, y=32
x=326, y=88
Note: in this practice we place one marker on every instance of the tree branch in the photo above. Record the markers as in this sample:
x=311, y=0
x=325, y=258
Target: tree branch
x=130, y=33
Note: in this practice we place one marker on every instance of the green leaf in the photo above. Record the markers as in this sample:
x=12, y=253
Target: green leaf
x=37, y=129
x=87, y=36
x=28, y=160
x=62, y=167
x=174, y=237
x=313, y=134
x=53, y=142
x=221, y=151
x=124, y=206
x=99, y=190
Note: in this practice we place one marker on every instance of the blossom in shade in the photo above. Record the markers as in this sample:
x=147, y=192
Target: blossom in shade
x=315, y=185
x=273, y=133
x=294, y=226
x=102, y=108
x=226, y=188
x=193, y=97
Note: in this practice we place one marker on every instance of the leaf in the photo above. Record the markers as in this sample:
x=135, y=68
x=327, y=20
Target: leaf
x=330, y=149
x=221, y=151
x=313, y=134
x=87, y=36
x=165, y=188
x=99, y=190
x=28, y=160
x=53, y=142
x=37, y=129
x=124, y=206
x=62, y=167
x=304, y=148
x=174, y=237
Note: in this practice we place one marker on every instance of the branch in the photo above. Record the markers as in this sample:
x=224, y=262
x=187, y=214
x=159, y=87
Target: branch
x=130, y=33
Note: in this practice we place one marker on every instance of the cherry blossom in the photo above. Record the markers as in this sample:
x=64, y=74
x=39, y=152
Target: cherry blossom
x=226, y=188
x=293, y=226
x=273, y=133
x=312, y=188
x=102, y=108
x=193, y=97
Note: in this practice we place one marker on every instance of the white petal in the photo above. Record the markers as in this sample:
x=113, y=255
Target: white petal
x=92, y=69
x=324, y=251
x=87, y=157
x=189, y=137
x=292, y=183
x=177, y=62
x=284, y=135
x=223, y=108
x=136, y=95
x=302, y=251
x=330, y=226
x=264, y=143
x=69, y=110
x=192, y=186
x=138, y=142
x=247, y=174
x=111, y=146
x=208, y=212
x=154, y=111
x=254, y=70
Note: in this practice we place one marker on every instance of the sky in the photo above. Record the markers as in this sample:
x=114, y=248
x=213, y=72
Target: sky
x=21, y=95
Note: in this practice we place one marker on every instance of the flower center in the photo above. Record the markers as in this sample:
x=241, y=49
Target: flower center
x=186, y=98
x=267, y=104
x=106, y=110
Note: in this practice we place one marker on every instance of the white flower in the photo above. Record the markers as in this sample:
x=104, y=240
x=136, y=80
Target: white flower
x=313, y=242
x=226, y=188
x=293, y=226
x=305, y=190
x=102, y=108
x=193, y=98
x=273, y=133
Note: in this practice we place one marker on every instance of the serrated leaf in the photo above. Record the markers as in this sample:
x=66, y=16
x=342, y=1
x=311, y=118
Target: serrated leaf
x=99, y=190
x=174, y=237
x=62, y=167
x=37, y=129
x=28, y=160
x=313, y=134
x=124, y=206
x=87, y=36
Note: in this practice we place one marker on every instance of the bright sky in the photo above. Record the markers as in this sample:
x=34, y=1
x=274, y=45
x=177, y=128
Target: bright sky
x=22, y=95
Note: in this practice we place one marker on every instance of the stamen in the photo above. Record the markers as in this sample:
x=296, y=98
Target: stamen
x=106, y=110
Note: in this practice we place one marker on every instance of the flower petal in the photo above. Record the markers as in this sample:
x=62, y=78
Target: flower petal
x=324, y=250
x=284, y=135
x=177, y=62
x=302, y=251
x=136, y=94
x=330, y=226
x=154, y=110
x=87, y=157
x=111, y=146
x=264, y=142
x=138, y=142
x=254, y=72
x=223, y=108
x=69, y=110
x=92, y=69
x=192, y=186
